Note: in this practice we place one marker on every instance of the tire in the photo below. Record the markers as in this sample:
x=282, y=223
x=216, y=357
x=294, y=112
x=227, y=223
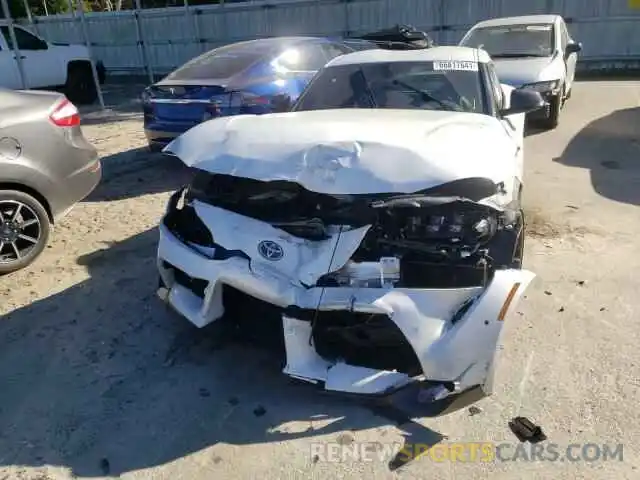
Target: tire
x=80, y=87
x=102, y=72
x=155, y=147
x=553, y=117
x=22, y=239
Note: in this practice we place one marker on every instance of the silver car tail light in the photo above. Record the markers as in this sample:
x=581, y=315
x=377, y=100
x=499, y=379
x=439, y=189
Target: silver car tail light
x=65, y=114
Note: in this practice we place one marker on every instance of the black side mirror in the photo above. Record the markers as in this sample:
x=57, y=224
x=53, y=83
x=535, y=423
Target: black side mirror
x=574, y=47
x=523, y=101
x=281, y=103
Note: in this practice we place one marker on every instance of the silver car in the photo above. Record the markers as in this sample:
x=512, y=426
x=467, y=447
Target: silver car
x=534, y=52
x=46, y=167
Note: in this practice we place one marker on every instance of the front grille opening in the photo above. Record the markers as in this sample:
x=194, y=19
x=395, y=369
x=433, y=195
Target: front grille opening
x=196, y=285
x=254, y=321
x=422, y=274
x=185, y=223
x=365, y=340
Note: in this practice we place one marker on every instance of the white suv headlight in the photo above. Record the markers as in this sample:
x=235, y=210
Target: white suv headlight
x=543, y=86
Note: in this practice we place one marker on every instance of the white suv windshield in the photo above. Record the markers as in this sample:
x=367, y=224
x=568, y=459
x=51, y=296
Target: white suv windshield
x=513, y=40
x=433, y=85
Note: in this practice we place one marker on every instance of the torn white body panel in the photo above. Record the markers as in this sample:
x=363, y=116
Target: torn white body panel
x=461, y=352
x=301, y=261
x=354, y=151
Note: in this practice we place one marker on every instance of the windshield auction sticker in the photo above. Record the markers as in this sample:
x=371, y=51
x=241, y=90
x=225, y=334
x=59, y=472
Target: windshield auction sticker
x=455, y=65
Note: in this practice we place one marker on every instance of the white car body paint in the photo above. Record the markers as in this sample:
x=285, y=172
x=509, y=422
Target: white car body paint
x=350, y=152
x=462, y=352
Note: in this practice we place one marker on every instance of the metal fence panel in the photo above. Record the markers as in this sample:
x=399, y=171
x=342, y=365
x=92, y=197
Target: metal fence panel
x=609, y=29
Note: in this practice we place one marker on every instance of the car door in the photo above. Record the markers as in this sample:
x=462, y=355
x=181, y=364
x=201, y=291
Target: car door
x=571, y=59
x=9, y=72
x=40, y=65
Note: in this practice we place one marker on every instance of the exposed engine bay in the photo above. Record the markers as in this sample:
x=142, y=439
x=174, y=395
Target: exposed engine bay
x=431, y=239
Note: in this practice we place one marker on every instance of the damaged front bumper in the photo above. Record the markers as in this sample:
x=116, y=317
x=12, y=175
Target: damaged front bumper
x=363, y=340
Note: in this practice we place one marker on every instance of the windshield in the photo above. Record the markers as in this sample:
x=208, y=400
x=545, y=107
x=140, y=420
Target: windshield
x=513, y=40
x=434, y=85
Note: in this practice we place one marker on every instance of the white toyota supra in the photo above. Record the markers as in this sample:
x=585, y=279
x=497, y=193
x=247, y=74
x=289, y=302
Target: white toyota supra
x=375, y=229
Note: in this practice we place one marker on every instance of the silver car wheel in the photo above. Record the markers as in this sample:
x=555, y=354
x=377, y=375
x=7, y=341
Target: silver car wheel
x=20, y=230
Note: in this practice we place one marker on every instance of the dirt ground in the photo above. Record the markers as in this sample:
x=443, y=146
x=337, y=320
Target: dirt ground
x=98, y=379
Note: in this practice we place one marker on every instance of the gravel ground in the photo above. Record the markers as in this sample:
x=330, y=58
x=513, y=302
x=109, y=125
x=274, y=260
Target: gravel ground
x=98, y=379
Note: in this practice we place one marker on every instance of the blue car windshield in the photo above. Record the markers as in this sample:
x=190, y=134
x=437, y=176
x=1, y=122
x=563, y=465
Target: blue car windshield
x=432, y=85
x=513, y=40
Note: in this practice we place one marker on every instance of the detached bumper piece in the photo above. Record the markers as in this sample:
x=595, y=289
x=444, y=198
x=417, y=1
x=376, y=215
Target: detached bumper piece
x=350, y=316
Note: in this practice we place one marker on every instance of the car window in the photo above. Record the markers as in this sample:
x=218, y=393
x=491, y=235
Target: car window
x=564, y=36
x=513, y=40
x=429, y=85
x=223, y=62
x=305, y=58
x=26, y=40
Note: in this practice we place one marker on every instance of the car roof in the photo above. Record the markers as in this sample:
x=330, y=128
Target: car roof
x=463, y=54
x=522, y=20
x=268, y=44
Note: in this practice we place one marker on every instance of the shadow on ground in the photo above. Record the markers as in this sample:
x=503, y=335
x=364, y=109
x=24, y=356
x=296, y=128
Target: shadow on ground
x=103, y=379
x=610, y=148
x=531, y=130
x=138, y=172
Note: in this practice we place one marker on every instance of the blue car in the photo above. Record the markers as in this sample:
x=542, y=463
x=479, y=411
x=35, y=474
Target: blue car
x=241, y=78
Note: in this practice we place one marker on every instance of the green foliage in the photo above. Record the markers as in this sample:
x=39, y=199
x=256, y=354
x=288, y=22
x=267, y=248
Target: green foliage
x=17, y=9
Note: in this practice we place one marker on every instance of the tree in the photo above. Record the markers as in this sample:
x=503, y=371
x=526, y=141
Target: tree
x=37, y=7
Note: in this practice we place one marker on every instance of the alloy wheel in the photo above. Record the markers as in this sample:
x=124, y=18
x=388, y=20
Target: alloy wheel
x=20, y=230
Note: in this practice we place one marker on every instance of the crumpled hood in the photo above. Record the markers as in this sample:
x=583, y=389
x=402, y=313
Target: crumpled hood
x=352, y=151
x=522, y=71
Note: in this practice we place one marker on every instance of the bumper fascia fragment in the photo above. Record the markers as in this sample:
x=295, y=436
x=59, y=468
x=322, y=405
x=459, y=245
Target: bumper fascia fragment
x=454, y=356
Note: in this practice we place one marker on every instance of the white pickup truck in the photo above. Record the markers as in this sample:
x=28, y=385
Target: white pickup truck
x=47, y=65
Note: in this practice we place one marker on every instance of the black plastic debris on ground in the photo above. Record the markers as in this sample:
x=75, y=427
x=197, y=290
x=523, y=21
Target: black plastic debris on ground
x=473, y=410
x=526, y=430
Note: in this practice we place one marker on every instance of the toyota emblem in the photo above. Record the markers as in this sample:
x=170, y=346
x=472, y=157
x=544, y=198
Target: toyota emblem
x=270, y=250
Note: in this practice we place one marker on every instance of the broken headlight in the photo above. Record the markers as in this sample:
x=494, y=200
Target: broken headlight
x=474, y=227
